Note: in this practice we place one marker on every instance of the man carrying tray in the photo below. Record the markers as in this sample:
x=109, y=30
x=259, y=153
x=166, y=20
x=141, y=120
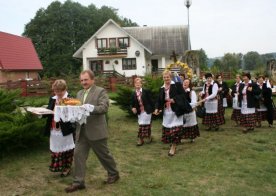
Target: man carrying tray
x=93, y=134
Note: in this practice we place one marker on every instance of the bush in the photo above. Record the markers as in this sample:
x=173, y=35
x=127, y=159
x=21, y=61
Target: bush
x=230, y=83
x=18, y=131
x=153, y=84
x=35, y=101
x=8, y=101
x=23, y=132
x=123, y=96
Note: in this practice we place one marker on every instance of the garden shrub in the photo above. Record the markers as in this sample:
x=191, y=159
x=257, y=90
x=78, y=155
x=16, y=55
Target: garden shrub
x=230, y=83
x=123, y=96
x=18, y=131
x=9, y=100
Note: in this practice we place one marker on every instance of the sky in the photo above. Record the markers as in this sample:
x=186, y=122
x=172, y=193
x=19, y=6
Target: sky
x=217, y=26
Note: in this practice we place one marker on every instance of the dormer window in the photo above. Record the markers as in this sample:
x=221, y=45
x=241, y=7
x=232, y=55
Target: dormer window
x=123, y=42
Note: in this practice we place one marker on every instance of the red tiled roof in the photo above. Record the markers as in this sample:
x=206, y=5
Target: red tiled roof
x=18, y=53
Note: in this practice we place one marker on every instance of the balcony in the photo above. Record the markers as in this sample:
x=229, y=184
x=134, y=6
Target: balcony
x=112, y=51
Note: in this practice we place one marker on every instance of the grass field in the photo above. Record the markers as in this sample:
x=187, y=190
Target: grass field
x=227, y=162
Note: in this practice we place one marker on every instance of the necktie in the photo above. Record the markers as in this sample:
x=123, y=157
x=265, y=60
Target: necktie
x=85, y=95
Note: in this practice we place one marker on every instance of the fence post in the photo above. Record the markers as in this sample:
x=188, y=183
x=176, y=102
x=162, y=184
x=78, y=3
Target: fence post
x=23, y=84
x=112, y=83
x=133, y=79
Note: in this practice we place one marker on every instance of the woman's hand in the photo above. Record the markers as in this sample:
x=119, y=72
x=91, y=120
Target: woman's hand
x=157, y=112
x=134, y=110
x=249, y=88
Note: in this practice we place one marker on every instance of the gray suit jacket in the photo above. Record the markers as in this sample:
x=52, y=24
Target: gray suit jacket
x=96, y=125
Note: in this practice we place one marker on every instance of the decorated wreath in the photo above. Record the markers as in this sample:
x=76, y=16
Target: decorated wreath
x=184, y=68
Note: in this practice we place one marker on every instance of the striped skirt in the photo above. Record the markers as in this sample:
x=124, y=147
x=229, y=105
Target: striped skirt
x=213, y=119
x=144, y=131
x=248, y=120
x=171, y=135
x=236, y=115
x=261, y=116
x=190, y=132
x=221, y=109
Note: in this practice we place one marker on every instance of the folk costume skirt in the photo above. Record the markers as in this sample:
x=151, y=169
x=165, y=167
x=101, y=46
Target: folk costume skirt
x=144, y=121
x=213, y=117
x=62, y=151
x=261, y=113
x=190, y=128
x=236, y=115
x=248, y=116
x=172, y=127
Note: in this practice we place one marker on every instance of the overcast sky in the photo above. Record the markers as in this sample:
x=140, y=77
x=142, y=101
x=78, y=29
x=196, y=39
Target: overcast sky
x=217, y=26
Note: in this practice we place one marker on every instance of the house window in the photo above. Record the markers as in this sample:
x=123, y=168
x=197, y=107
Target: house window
x=102, y=43
x=112, y=42
x=129, y=64
x=123, y=42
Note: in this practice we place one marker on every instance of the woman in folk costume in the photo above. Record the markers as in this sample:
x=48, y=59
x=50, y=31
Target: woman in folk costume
x=142, y=105
x=61, y=134
x=172, y=102
x=236, y=113
x=265, y=107
x=247, y=101
x=190, y=127
x=212, y=118
x=223, y=91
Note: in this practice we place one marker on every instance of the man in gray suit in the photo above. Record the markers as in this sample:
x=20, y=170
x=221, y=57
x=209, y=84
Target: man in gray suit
x=93, y=134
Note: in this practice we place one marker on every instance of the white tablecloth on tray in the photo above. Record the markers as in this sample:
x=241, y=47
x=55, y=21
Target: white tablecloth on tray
x=73, y=113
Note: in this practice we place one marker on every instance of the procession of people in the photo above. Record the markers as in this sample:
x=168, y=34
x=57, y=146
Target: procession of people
x=177, y=102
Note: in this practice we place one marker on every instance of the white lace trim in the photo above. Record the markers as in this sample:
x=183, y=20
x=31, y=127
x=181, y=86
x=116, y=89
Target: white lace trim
x=73, y=113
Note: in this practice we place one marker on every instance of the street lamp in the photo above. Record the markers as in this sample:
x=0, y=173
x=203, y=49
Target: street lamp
x=188, y=4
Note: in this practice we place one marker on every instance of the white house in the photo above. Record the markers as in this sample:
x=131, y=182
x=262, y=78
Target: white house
x=132, y=50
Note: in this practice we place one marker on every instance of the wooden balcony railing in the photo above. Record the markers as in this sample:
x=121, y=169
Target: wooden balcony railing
x=112, y=51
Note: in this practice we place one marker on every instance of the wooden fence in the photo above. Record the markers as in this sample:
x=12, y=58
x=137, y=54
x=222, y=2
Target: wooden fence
x=43, y=87
x=28, y=88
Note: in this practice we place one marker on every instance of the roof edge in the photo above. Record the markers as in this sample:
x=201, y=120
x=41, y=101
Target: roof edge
x=77, y=54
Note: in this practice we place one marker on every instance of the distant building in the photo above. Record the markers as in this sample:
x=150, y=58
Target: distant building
x=18, y=58
x=132, y=50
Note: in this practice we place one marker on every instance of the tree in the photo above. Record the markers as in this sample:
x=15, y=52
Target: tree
x=203, y=60
x=216, y=67
x=58, y=31
x=252, y=60
x=231, y=62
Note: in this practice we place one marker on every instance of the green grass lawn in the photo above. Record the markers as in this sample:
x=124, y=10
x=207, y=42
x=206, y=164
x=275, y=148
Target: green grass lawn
x=227, y=162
